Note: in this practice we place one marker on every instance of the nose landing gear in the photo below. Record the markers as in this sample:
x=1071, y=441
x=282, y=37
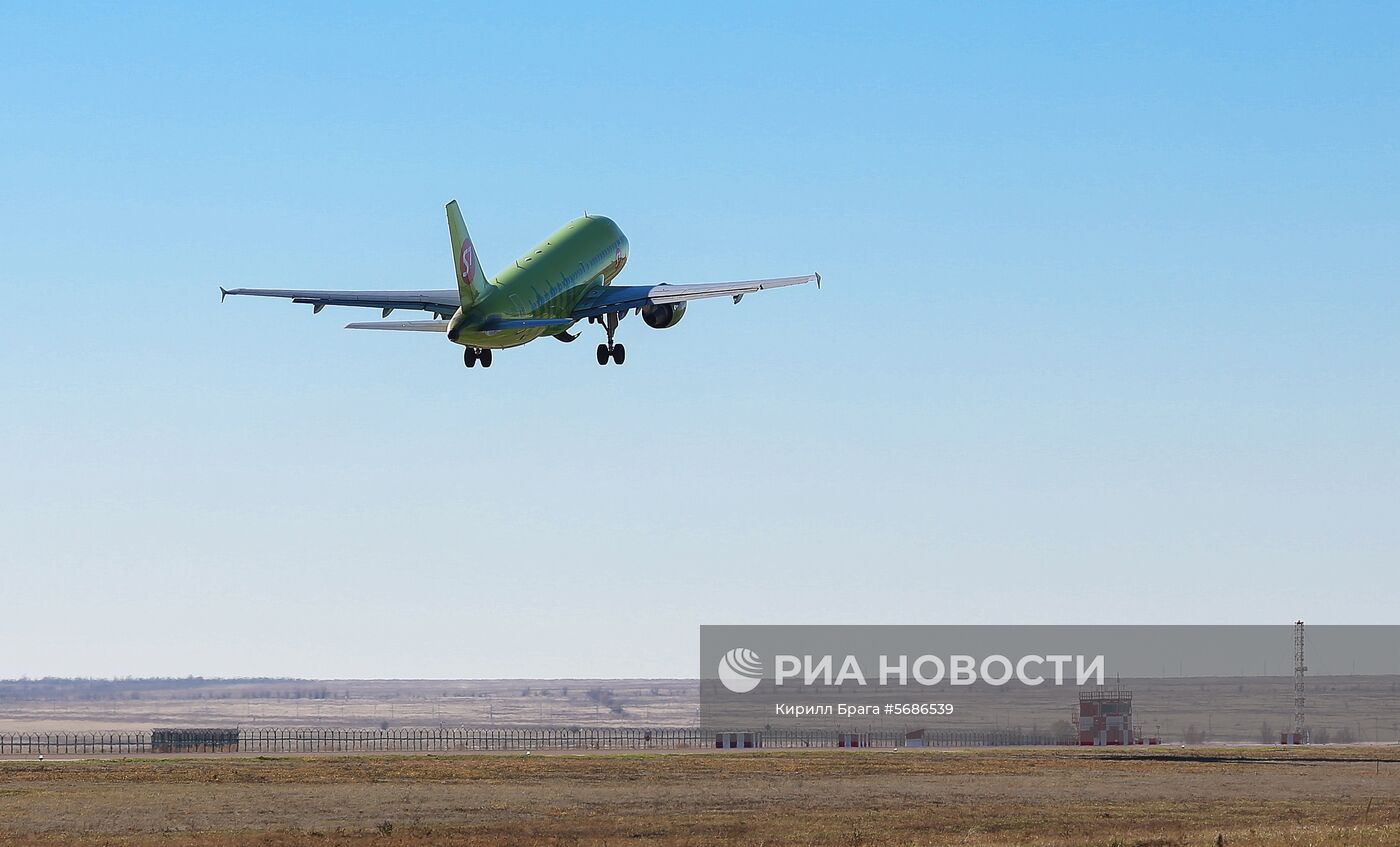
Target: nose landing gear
x=472, y=355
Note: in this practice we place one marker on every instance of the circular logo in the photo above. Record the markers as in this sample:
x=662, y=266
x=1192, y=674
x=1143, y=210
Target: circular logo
x=740, y=670
x=468, y=261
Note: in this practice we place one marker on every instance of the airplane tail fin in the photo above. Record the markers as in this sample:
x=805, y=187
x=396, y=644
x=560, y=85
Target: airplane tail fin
x=471, y=279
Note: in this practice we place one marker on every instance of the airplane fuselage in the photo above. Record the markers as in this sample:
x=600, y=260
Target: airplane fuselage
x=564, y=279
x=547, y=282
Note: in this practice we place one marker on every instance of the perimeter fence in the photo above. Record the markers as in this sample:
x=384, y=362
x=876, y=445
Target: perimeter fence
x=449, y=739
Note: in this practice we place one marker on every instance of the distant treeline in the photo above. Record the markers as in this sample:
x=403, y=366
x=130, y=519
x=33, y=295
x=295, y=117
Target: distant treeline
x=185, y=688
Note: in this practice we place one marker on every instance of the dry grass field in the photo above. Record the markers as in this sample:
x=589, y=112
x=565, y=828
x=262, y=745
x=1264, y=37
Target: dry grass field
x=1202, y=796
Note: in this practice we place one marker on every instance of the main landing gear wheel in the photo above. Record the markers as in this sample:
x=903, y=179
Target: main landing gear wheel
x=607, y=351
x=616, y=352
x=472, y=355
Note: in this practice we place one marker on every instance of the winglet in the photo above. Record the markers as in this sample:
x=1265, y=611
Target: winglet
x=223, y=292
x=819, y=279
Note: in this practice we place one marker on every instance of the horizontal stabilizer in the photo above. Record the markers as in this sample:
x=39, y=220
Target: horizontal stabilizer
x=402, y=326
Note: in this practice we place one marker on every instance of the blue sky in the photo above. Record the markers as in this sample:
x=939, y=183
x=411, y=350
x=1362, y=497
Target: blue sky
x=1108, y=331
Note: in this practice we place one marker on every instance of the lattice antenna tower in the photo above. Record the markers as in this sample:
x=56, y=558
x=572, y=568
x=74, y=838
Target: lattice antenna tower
x=1299, y=669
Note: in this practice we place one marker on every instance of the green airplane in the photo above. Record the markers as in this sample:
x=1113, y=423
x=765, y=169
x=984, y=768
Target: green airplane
x=564, y=280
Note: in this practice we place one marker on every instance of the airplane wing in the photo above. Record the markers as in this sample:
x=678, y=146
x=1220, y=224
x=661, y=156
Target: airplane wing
x=440, y=302
x=402, y=326
x=493, y=324
x=619, y=298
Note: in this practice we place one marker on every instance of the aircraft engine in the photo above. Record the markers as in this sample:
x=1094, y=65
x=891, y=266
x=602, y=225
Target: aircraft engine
x=663, y=315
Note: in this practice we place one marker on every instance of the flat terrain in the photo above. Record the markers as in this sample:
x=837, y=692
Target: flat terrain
x=1219, y=709
x=1244, y=796
x=132, y=705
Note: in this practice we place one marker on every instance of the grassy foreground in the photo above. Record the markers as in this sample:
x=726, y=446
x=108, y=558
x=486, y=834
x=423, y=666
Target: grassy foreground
x=983, y=797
